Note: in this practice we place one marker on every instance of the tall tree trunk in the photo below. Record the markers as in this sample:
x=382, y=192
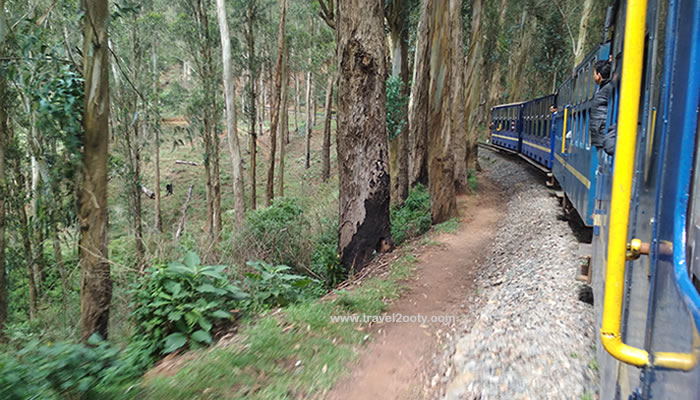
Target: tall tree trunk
x=60, y=265
x=496, y=75
x=275, y=111
x=326, y=149
x=308, y=119
x=398, y=147
x=418, y=102
x=582, y=31
x=362, y=147
x=231, y=123
x=252, y=143
x=95, y=278
x=158, y=223
x=473, y=86
x=440, y=160
x=28, y=255
x=4, y=140
x=296, y=104
x=284, y=123
x=459, y=125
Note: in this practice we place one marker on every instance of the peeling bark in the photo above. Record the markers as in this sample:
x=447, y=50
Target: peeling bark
x=440, y=159
x=95, y=278
x=363, y=226
x=418, y=102
x=473, y=87
x=231, y=123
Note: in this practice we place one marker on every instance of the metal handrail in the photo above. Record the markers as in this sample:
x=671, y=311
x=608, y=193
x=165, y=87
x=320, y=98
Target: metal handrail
x=625, y=148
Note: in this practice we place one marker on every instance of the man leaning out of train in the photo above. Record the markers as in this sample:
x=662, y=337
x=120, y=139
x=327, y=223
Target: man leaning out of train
x=599, y=108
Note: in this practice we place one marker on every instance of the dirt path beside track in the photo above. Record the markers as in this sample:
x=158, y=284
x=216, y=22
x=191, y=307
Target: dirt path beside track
x=394, y=365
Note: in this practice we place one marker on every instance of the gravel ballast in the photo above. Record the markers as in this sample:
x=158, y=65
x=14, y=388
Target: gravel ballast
x=527, y=336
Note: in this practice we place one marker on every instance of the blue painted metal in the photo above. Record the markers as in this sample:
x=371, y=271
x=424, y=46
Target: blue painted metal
x=536, y=130
x=575, y=168
x=507, y=126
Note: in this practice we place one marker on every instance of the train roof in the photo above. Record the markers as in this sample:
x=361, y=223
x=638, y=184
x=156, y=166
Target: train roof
x=509, y=104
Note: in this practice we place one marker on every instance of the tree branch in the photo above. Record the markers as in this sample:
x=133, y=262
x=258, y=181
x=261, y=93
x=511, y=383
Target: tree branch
x=327, y=12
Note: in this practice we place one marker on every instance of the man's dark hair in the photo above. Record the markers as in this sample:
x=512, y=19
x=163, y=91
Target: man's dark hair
x=603, y=68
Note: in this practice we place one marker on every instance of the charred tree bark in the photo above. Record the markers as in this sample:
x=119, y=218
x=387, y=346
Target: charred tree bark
x=418, y=102
x=440, y=160
x=95, y=278
x=326, y=149
x=275, y=111
x=362, y=147
x=231, y=123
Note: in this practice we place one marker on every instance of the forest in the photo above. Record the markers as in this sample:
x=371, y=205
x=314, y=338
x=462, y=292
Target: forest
x=173, y=173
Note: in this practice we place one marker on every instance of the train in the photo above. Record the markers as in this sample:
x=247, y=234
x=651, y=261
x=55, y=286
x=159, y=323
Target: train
x=642, y=202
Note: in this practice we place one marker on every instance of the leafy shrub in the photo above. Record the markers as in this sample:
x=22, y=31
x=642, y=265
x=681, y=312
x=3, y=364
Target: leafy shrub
x=180, y=304
x=276, y=234
x=412, y=218
x=325, y=261
x=472, y=181
x=274, y=286
x=62, y=370
x=396, y=117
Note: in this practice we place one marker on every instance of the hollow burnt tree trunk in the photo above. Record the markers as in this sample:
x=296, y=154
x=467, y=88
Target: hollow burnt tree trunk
x=362, y=144
x=95, y=278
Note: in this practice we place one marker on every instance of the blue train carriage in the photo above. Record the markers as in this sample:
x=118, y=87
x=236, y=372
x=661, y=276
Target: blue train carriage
x=536, y=130
x=507, y=122
x=575, y=161
x=646, y=245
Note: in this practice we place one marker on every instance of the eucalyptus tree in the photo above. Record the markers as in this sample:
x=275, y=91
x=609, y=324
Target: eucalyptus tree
x=362, y=143
x=96, y=281
x=276, y=97
x=397, y=12
x=231, y=122
x=4, y=28
x=202, y=43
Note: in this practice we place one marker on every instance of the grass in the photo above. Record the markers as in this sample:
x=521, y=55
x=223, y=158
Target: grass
x=297, y=353
x=449, y=226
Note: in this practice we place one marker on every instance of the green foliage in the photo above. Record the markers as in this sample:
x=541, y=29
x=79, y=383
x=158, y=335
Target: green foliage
x=413, y=217
x=449, y=226
x=63, y=370
x=182, y=304
x=275, y=234
x=325, y=260
x=472, y=180
x=396, y=102
x=273, y=286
